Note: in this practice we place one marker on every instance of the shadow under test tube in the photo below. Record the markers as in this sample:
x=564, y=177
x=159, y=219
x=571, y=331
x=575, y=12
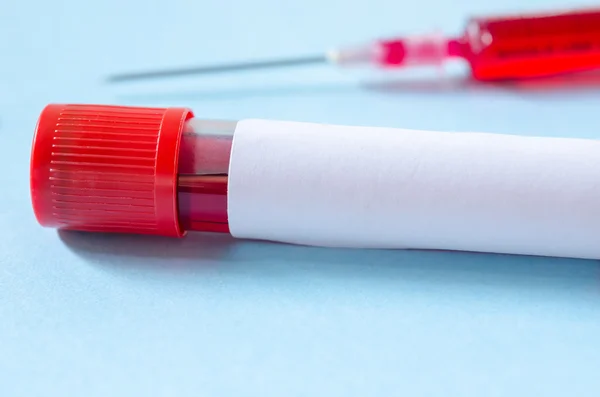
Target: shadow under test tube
x=202, y=181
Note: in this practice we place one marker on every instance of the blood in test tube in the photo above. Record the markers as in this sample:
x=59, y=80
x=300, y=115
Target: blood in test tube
x=202, y=180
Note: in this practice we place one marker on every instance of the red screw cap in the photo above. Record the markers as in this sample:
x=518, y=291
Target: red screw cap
x=107, y=168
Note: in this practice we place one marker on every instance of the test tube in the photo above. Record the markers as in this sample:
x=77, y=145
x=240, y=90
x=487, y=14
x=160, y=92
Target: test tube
x=162, y=171
x=202, y=176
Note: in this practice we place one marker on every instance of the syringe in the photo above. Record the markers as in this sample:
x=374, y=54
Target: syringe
x=495, y=48
x=164, y=172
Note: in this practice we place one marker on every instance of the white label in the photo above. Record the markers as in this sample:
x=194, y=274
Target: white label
x=362, y=187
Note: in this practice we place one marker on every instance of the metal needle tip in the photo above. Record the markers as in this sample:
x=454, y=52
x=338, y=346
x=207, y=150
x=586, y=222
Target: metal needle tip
x=117, y=78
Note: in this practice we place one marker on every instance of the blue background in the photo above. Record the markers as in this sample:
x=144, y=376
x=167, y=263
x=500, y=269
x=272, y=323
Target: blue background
x=92, y=315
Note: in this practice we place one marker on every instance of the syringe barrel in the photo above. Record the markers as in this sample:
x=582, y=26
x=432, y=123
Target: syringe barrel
x=130, y=169
x=533, y=45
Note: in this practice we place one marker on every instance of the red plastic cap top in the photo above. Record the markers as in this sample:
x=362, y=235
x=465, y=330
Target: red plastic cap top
x=107, y=168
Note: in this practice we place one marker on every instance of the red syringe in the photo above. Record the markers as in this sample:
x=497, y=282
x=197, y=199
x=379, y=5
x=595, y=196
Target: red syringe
x=496, y=48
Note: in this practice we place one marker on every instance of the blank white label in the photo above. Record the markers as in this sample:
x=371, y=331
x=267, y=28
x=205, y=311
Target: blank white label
x=363, y=187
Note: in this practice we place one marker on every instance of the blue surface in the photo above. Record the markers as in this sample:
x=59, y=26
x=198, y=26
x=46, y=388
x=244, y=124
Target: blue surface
x=90, y=315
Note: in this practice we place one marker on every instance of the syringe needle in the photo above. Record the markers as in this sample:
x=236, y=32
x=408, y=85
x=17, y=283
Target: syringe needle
x=301, y=61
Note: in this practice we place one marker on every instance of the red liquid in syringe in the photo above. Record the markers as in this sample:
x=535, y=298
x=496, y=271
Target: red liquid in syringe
x=512, y=47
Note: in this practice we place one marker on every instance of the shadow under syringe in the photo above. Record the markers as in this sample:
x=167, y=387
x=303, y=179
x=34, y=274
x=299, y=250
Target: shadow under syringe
x=571, y=84
x=198, y=255
x=567, y=83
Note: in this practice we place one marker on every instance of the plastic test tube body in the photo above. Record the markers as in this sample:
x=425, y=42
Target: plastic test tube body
x=202, y=181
